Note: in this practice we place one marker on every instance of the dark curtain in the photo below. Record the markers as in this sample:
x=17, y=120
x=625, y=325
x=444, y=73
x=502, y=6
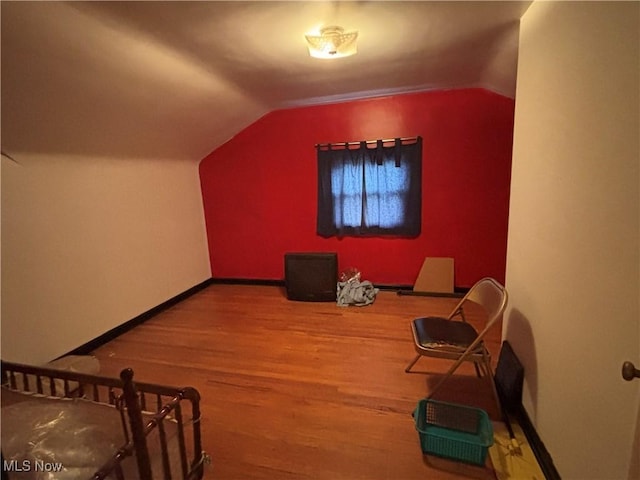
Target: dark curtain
x=370, y=190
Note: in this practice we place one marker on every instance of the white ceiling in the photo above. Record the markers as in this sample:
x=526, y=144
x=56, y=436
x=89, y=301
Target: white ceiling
x=178, y=79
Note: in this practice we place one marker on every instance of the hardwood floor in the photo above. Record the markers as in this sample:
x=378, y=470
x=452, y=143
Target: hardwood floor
x=294, y=390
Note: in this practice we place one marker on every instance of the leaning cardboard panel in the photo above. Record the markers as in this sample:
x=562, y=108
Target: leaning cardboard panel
x=436, y=275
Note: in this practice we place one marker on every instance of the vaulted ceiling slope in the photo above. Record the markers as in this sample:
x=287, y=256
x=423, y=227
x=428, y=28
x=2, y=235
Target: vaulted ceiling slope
x=178, y=79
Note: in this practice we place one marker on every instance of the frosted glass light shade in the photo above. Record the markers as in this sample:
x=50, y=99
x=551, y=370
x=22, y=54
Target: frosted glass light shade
x=332, y=42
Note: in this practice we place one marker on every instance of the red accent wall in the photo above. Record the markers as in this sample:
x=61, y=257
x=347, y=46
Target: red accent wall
x=259, y=189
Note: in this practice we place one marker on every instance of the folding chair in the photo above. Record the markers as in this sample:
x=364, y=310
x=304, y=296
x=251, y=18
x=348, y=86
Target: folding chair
x=454, y=339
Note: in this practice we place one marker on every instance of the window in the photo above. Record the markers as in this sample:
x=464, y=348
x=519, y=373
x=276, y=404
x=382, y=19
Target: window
x=366, y=190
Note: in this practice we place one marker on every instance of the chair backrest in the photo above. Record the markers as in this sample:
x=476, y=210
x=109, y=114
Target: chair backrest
x=488, y=293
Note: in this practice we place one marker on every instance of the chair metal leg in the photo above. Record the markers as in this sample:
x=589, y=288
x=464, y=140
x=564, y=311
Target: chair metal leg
x=491, y=379
x=447, y=375
x=483, y=368
x=413, y=362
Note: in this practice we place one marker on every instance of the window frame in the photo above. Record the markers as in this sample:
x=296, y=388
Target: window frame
x=401, y=151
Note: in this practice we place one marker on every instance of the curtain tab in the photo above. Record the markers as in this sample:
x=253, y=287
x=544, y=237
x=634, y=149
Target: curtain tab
x=379, y=153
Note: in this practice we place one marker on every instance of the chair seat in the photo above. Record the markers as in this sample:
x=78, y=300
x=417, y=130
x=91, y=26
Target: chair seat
x=442, y=334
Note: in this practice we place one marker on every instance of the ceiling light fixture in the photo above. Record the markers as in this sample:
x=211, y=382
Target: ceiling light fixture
x=332, y=43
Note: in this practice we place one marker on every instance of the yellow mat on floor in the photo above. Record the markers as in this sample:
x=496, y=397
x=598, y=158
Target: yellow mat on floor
x=513, y=460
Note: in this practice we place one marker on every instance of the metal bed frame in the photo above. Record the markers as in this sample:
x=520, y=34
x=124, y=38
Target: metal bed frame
x=178, y=405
